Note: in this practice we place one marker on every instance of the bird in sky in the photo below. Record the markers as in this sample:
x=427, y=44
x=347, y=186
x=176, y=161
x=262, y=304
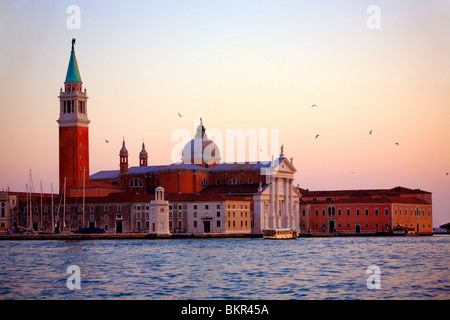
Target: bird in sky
x=314, y=105
x=370, y=132
x=397, y=143
x=179, y=115
x=447, y=174
x=106, y=141
x=316, y=136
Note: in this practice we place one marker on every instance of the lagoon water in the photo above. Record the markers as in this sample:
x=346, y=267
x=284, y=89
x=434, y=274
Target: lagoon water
x=244, y=268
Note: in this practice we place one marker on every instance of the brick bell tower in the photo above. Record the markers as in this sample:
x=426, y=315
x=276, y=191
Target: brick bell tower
x=73, y=129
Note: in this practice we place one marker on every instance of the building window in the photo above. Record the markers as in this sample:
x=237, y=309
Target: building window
x=180, y=223
x=195, y=206
x=218, y=223
x=105, y=217
x=386, y=211
x=105, y=208
x=233, y=181
x=206, y=206
x=119, y=208
x=218, y=181
x=250, y=180
x=348, y=211
x=204, y=182
x=136, y=183
x=367, y=211
x=376, y=211
x=218, y=214
x=357, y=212
x=323, y=212
x=218, y=206
x=195, y=224
x=339, y=212
x=317, y=212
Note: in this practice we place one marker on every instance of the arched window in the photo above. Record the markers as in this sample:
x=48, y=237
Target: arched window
x=136, y=183
x=204, y=182
x=233, y=181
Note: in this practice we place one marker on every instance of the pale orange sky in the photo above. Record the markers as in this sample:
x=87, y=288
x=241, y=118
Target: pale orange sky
x=237, y=64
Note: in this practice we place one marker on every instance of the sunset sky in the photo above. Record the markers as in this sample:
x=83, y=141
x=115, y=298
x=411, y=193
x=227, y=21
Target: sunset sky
x=243, y=64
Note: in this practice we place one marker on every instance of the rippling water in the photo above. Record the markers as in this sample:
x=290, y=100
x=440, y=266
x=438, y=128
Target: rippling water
x=304, y=268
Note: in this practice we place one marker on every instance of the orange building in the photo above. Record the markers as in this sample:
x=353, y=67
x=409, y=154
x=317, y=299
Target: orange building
x=366, y=211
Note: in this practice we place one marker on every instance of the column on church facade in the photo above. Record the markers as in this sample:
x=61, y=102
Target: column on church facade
x=277, y=203
x=291, y=204
x=286, y=203
x=272, y=203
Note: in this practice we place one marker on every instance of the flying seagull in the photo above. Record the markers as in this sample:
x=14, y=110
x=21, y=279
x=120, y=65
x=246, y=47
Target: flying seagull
x=447, y=174
x=313, y=106
x=397, y=143
x=370, y=132
x=179, y=115
x=316, y=136
x=106, y=141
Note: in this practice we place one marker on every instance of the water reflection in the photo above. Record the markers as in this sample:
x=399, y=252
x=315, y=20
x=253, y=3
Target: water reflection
x=311, y=268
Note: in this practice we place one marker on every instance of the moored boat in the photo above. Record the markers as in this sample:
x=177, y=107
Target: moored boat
x=280, y=234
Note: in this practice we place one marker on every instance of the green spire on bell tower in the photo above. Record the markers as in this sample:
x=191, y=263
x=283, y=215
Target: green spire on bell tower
x=73, y=74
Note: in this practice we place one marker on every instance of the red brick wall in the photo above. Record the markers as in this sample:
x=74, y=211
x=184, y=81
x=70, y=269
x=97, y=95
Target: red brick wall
x=73, y=143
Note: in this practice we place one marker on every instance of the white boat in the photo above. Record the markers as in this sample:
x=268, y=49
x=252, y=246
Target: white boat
x=280, y=234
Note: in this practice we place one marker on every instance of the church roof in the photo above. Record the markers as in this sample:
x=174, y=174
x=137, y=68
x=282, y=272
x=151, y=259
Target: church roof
x=73, y=73
x=113, y=174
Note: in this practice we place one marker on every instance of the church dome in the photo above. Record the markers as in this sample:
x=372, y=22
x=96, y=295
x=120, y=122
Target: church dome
x=201, y=150
x=143, y=152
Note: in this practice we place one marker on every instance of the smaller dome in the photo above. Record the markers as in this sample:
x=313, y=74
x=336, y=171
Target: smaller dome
x=123, y=151
x=143, y=152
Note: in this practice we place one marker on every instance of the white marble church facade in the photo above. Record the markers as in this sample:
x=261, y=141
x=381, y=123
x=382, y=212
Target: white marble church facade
x=276, y=205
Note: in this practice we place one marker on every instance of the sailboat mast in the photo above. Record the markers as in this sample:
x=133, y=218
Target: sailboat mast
x=84, y=184
x=53, y=220
x=42, y=215
x=31, y=205
x=64, y=207
x=28, y=205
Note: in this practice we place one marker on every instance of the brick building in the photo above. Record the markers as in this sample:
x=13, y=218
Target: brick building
x=366, y=211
